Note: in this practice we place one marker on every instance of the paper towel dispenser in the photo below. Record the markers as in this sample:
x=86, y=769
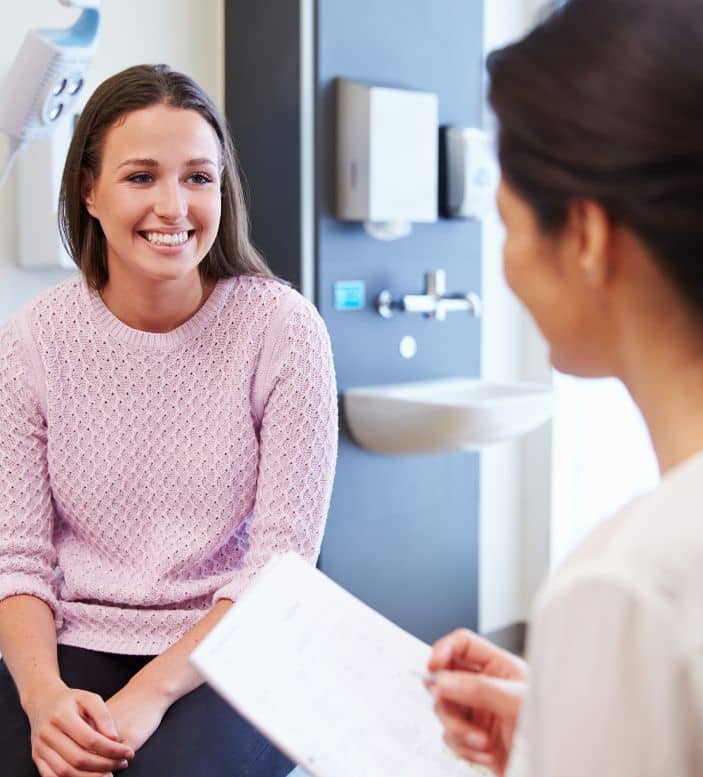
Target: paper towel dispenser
x=387, y=156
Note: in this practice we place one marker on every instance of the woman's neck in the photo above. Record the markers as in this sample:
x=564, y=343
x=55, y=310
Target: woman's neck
x=155, y=307
x=656, y=347
x=667, y=385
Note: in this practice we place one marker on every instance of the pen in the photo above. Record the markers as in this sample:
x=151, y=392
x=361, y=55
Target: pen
x=432, y=677
x=429, y=677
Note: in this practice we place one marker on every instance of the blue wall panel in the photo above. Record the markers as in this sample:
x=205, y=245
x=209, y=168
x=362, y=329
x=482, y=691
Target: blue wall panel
x=402, y=531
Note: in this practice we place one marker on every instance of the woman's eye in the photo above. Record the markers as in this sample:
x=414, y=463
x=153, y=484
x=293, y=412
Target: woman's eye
x=200, y=178
x=141, y=178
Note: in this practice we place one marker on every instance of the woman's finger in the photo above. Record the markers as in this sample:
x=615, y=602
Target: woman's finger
x=79, y=757
x=475, y=756
x=99, y=714
x=59, y=766
x=461, y=649
x=491, y=694
x=87, y=737
x=459, y=728
x=43, y=768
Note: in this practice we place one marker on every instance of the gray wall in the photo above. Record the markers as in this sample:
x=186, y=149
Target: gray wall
x=402, y=532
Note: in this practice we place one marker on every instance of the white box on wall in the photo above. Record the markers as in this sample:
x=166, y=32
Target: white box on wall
x=387, y=153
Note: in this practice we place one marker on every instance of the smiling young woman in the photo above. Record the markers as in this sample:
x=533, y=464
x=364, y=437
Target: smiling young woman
x=167, y=424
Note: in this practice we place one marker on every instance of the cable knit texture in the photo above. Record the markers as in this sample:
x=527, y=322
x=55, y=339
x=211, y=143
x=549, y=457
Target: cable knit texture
x=144, y=476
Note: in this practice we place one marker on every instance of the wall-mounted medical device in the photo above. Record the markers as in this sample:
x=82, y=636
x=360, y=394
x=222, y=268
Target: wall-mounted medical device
x=471, y=172
x=38, y=104
x=47, y=77
x=387, y=157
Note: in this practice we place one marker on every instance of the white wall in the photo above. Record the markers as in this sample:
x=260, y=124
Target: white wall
x=515, y=476
x=186, y=34
x=528, y=526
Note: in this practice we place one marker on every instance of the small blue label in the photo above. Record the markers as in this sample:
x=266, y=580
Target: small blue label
x=349, y=295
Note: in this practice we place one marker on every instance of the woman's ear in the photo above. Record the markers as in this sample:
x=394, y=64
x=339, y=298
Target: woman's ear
x=591, y=228
x=88, y=191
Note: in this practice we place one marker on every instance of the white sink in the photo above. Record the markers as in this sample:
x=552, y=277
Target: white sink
x=439, y=416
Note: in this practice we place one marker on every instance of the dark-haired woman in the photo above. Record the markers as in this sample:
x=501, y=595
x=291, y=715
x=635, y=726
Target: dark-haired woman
x=601, y=147
x=167, y=424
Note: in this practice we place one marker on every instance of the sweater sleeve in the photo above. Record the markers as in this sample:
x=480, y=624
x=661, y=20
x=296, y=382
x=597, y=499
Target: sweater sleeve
x=27, y=555
x=297, y=444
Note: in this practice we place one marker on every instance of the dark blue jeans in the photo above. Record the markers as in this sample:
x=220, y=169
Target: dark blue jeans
x=200, y=735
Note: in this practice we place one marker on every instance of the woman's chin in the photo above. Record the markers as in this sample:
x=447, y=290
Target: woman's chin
x=161, y=271
x=578, y=366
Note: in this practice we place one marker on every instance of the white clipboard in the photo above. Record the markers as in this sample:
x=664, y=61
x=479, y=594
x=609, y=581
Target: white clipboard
x=331, y=682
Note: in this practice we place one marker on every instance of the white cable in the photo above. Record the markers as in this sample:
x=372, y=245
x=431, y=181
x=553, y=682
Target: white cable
x=15, y=146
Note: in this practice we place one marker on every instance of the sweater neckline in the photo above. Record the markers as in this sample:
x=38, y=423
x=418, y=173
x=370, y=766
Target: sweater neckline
x=108, y=323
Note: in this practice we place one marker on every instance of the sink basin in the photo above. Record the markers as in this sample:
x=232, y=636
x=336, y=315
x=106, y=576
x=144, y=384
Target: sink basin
x=439, y=416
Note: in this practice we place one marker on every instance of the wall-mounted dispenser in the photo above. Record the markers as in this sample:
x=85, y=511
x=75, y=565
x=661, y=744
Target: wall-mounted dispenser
x=471, y=174
x=387, y=157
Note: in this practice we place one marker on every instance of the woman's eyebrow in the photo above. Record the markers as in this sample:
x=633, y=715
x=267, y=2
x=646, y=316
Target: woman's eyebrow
x=139, y=163
x=200, y=161
x=143, y=162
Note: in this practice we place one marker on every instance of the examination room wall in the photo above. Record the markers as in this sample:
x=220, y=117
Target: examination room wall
x=183, y=33
x=402, y=532
x=262, y=76
x=188, y=34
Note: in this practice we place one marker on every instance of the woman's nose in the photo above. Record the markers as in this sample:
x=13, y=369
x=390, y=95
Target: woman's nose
x=171, y=202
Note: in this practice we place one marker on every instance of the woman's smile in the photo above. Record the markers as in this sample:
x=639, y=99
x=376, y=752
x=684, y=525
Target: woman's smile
x=168, y=242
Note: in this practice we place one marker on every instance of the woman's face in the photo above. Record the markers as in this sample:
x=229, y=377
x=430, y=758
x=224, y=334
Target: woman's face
x=157, y=196
x=546, y=272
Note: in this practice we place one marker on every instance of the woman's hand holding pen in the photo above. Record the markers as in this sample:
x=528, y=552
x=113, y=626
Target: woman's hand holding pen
x=73, y=733
x=479, y=689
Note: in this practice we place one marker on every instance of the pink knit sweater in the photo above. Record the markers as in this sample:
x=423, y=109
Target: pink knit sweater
x=144, y=476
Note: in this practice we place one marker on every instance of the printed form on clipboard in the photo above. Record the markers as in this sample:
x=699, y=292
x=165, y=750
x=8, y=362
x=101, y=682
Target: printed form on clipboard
x=331, y=682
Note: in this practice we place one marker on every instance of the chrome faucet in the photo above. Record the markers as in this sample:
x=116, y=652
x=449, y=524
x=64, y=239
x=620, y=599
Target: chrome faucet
x=434, y=303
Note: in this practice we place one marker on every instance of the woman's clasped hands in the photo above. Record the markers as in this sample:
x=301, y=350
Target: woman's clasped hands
x=77, y=734
x=73, y=733
x=478, y=690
